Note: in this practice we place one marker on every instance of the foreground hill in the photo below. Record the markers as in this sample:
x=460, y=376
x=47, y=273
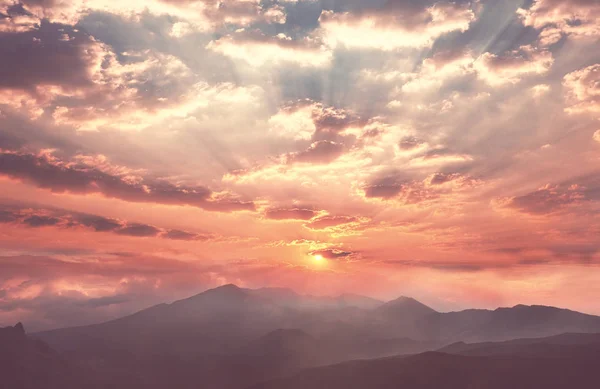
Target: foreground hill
x=30, y=364
x=567, y=361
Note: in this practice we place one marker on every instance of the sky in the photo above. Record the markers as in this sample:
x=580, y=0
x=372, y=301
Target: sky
x=149, y=150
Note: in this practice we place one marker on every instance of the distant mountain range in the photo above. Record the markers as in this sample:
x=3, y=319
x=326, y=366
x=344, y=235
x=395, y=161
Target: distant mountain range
x=565, y=361
x=234, y=338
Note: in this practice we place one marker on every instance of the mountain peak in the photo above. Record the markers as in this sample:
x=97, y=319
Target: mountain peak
x=227, y=287
x=20, y=328
x=406, y=306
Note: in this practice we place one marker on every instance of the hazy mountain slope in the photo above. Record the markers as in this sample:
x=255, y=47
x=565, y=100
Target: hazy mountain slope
x=433, y=370
x=221, y=320
x=520, y=321
x=554, y=346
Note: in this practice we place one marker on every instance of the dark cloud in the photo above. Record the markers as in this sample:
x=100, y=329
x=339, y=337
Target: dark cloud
x=384, y=188
x=319, y=152
x=549, y=199
x=330, y=221
x=99, y=223
x=36, y=217
x=335, y=120
x=54, y=54
x=290, y=213
x=62, y=177
x=41, y=221
x=139, y=230
x=409, y=143
x=333, y=254
x=184, y=235
x=442, y=178
x=8, y=217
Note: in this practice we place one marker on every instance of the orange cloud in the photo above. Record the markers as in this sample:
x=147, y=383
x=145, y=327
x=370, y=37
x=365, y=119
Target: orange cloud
x=583, y=94
x=575, y=18
x=258, y=50
x=512, y=67
x=390, y=29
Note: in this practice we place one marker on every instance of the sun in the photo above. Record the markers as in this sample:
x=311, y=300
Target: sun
x=318, y=258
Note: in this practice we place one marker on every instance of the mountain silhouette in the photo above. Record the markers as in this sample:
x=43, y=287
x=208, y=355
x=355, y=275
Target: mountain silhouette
x=231, y=337
x=27, y=363
x=506, y=323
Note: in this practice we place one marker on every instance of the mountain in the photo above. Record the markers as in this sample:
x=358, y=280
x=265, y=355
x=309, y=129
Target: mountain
x=520, y=321
x=288, y=297
x=31, y=364
x=572, y=364
x=208, y=336
x=355, y=300
x=284, y=342
x=221, y=320
x=403, y=307
x=229, y=337
x=553, y=346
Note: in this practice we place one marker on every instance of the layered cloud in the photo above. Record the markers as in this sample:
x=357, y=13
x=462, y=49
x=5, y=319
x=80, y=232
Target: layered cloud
x=59, y=218
x=408, y=191
x=574, y=18
x=201, y=15
x=397, y=25
x=511, y=67
x=257, y=49
x=45, y=171
x=583, y=90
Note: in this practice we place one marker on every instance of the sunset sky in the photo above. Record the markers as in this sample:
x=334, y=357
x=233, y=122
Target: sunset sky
x=151, y=149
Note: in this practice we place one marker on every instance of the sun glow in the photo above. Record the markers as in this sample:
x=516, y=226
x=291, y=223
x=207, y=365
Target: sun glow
x=318, y=258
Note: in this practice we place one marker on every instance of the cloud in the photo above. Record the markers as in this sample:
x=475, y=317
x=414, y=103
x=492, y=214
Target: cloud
x=596, y=136
x=257, y=49
x=41, y=221
x=45, y=171
x=439, y=156
x=334, y=254
x=511, y=67
x=139, y=230
x=384, y=188
x=323, y=151
x=328, y=221
x=409, y=191
x=436, y=71
x=307, y=119
x=290, y=213
x=583, y=90
x=410, y=143
x=396, y=25
x=99, y=223
x=48, y=293
x=203, y=15
x=293, y=122
x=39, y=217
x=551, y=198
x=44, y=58
x=13, y=18
x=83, y=83
x=574, y=18
x=184, y=235
x=339, y=225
